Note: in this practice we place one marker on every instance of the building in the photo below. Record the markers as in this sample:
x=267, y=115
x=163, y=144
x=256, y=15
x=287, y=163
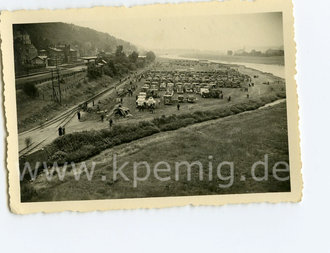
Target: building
x=42, y=52
x=62, y=54
x=73, y=55
x=41, y=61
x=56, y=56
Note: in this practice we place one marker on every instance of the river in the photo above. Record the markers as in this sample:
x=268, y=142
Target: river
x=276, y=70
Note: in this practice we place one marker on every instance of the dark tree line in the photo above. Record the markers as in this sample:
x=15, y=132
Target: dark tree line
x=44, y=35
x=119, y=63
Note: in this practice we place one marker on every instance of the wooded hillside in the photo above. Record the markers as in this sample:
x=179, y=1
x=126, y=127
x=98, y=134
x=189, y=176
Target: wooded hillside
x=43, y=35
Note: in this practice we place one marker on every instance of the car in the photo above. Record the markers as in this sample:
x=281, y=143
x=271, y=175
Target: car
x=180, y=98
x=191, y=99
x=162, y=86
x=188, y=87
x=179, y=88
x=204, y=91
x=142, y=94
x=141, y=101
x=151, y=101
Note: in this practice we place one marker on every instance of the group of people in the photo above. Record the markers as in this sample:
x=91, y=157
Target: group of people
x=102, y=118
x=61, y=130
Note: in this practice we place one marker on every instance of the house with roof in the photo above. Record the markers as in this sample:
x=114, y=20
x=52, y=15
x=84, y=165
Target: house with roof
x=56, y=56
x=41, y=60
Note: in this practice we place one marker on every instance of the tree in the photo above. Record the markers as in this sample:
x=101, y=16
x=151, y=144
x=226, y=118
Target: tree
x=119, y=51
x=110, y=69
x=93, y=71
x=31, y=90
x=150, y=56
x=133, y=57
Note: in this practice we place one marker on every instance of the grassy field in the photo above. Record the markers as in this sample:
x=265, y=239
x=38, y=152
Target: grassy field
x=242, y=139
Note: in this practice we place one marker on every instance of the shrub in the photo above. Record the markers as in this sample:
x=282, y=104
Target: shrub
x=80, y=146
x=177, y=124
x=28, y=193
x=60, y=157
x=31, y=90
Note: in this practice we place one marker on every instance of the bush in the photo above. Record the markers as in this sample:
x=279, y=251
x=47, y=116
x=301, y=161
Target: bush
x=177, y=124
x=60, y=157
x=31, y=90
x=28, y=193
x=80, y=146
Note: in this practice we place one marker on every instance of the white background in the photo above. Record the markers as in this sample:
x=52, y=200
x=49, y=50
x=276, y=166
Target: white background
x=302, y=227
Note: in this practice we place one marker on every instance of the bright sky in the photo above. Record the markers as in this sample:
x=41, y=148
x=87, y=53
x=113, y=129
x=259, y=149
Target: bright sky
x=216, y=32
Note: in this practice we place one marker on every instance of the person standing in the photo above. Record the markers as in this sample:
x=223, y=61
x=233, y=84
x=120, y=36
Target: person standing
x=60, y=131
x=78, y=114
x=178, y=106
x=63, y=130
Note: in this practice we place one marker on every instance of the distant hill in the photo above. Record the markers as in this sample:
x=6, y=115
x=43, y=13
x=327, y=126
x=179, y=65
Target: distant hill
x=43, y=35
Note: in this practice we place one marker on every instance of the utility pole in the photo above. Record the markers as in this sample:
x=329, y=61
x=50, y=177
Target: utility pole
x=53, y=87
x=59, y=86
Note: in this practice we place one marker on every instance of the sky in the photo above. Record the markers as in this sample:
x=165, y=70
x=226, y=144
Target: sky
x=212, y=33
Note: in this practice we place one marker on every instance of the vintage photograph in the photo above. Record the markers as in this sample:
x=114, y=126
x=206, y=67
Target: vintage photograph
x=154, y=106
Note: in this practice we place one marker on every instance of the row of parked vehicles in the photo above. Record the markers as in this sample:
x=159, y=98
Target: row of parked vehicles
x=203, y=89
x=186, y=84
x=225, y=78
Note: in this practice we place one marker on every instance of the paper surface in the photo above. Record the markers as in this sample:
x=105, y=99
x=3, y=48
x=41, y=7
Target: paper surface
x=159, y=194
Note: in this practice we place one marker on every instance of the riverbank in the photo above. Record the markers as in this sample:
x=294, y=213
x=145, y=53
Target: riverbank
x=261, y=64
x=272, y=60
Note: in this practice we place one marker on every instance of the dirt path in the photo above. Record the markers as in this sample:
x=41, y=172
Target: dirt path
x=43, y=135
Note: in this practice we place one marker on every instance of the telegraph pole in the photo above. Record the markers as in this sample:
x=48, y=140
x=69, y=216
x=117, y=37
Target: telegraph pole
x=53, y=87
x=59, y=86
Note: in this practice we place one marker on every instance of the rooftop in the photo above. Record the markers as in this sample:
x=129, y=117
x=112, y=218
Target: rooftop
x=56, y=49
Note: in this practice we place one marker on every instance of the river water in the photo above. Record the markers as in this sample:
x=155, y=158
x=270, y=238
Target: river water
x=276, y=70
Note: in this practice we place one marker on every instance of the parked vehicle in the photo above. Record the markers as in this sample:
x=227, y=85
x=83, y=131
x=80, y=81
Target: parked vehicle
x=180, y=98
x=141, y=102
x=162, y=87
x=145, y=88
x=142, y=94
x=168, y=98
x=188, y=88
x=191, y=99
x=179, y=88
x=170, y=87
x=204, y=91
x=197, y=88
x=151, y=102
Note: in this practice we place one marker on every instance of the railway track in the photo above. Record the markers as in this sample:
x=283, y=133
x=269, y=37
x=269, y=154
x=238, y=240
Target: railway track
x=27, y=150
x=64, y=118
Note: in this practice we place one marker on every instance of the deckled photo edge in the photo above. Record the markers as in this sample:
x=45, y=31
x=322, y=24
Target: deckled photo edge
x=159, y=202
